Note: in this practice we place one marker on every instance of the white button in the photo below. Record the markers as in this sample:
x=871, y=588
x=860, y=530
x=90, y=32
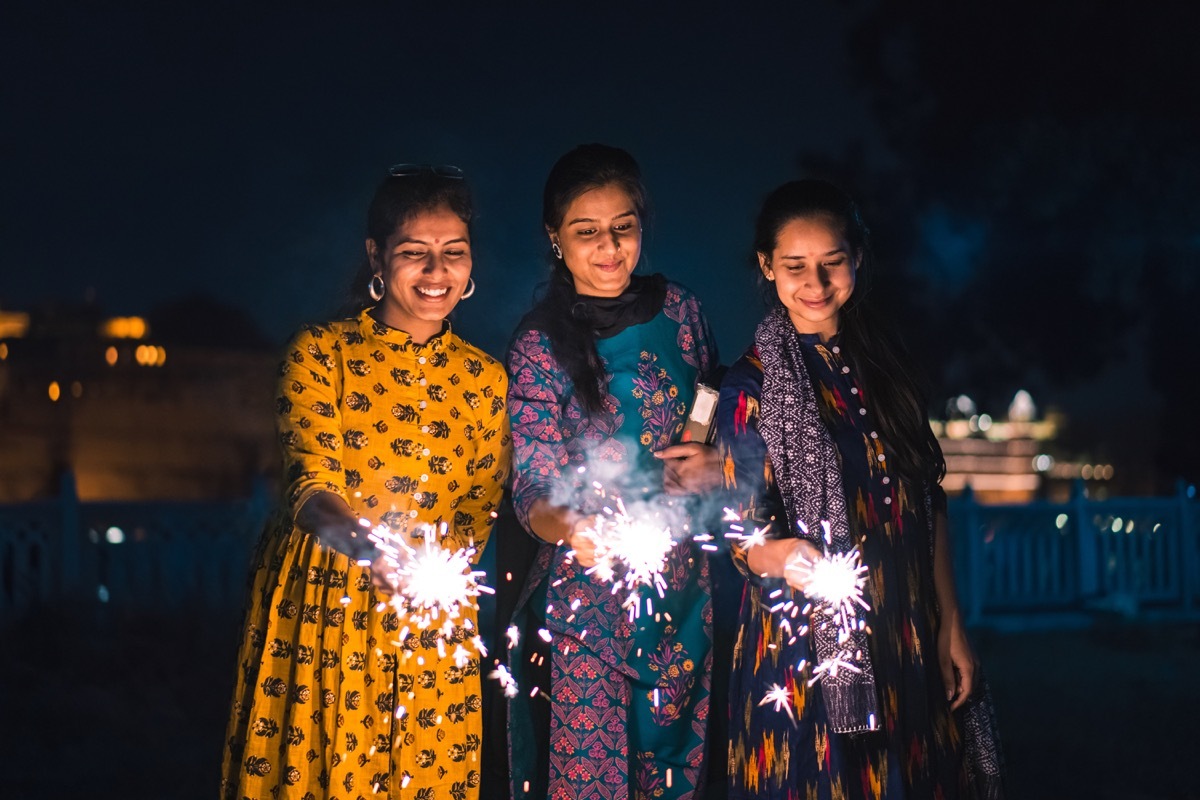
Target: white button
x=421, y=360
x=417, y=496
x=874, y=435
x=424, y=382
x=413, y=513
x=882, y=457
x=887, y=500
x=886, y=480
x=421, y=404
x=853, y=390
x=426, y=477
x=836, y=349
x=424, y=429
x=425, y=452
x=863, y=412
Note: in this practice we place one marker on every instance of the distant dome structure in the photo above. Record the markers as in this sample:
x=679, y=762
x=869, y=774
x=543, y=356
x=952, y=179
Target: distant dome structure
x=1022, y=409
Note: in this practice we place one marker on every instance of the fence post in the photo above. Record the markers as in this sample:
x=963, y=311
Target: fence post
x=1085, y=540
x=69, y=539
x=1190, y=541
x=975, y=555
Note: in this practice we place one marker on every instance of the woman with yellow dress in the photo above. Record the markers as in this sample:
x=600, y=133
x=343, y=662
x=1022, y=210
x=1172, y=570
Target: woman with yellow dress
x=385, y=418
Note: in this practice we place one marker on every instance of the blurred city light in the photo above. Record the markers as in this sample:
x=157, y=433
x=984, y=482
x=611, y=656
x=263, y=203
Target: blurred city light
x=124, y=328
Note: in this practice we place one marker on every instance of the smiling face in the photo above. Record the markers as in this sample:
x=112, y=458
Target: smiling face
x=601, y=240
x=425, y=265
x=813, y=269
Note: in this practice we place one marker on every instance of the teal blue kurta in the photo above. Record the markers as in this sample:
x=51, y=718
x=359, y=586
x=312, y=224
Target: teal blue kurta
x=628, y=696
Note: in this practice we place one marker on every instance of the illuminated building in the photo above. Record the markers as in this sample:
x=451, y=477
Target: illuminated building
x=132, y=417
x=1009, y=460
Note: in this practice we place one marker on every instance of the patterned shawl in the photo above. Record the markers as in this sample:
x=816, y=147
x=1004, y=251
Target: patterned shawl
x=808, y=473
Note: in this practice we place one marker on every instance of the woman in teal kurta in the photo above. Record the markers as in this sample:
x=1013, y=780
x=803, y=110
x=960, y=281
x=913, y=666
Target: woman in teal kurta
x=627, y=693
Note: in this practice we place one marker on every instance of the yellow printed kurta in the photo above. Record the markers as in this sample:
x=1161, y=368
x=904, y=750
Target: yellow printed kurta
x=336, y=699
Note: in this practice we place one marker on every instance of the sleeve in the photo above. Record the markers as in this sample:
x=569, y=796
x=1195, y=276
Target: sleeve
x=749, y=484
x=308, y=417
x=477, y=507
x=707, y=346
x=695, y=340
x=535, y=410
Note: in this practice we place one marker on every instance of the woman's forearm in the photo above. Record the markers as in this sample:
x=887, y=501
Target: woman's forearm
x=943, y=572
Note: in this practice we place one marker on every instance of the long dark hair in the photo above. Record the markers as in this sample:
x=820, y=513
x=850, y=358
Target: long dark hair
x=398, y=199
x=898, y=400
x=556, y=312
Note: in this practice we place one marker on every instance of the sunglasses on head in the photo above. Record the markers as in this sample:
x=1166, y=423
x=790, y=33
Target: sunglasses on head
x=441, y=170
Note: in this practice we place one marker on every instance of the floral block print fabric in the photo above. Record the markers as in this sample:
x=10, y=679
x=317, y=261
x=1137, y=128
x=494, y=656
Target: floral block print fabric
x=917, y=754
x=628, y=694
x=337, y=698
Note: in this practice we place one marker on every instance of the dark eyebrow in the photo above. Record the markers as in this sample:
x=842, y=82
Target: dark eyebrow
x=838, y=251
x=630, y=213
x=412, y=240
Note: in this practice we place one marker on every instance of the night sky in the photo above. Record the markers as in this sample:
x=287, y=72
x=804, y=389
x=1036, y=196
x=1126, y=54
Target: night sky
x=1029, y=174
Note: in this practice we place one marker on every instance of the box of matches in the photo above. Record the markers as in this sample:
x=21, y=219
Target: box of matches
x=702, y=418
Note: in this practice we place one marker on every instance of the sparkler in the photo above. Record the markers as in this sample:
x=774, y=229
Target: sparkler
x=837, y=582
x=631, y=551
x=833, y=584
x=431, y=582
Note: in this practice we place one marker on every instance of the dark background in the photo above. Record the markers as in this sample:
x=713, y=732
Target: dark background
x=1029, y=170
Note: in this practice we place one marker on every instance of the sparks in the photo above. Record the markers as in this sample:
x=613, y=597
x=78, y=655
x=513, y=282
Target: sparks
x=737, y=530
x=836, y=581
x=630, y=552
x=433, y=584
x=781, y=697
x=830, y=666
x=514, y=636
x=506, y=680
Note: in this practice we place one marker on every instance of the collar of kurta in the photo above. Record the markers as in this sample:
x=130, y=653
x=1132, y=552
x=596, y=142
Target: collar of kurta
x=403, y=340
x=641, y=302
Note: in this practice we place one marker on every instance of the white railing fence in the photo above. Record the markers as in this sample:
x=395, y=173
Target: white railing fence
x=1030, y=564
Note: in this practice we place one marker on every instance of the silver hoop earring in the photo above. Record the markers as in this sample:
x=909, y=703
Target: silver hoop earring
x=554, y=248
x=470, y=290
x=376, y=287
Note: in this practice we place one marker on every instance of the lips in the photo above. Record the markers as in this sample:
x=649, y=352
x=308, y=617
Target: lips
x=816, y=304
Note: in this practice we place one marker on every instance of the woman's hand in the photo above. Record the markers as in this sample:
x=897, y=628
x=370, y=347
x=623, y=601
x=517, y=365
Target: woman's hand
x=580, y=540
x=379, y=576
x=957, y=661
x=798, y=561
x=690, y=468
